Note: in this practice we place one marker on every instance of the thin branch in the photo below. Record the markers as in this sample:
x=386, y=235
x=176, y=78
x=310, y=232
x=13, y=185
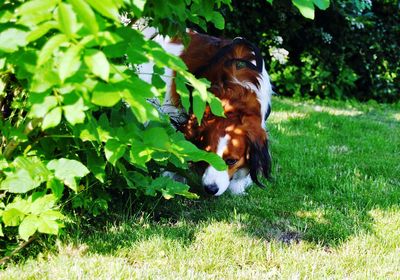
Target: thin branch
x=13, y=144
x=16, y=250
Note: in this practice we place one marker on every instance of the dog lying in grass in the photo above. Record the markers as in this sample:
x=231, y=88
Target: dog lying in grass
x=238, y=78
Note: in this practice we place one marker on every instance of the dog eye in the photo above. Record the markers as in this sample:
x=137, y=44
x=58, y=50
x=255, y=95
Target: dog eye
x=240, y=65
x=230, y=161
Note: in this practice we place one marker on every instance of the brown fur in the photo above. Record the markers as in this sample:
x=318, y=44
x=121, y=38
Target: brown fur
x=241, y=107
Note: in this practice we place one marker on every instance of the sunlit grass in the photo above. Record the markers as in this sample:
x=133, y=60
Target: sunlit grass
x=331, y=212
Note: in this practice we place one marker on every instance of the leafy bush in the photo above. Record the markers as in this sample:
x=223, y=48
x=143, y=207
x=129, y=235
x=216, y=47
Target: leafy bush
x=75, y=116
x=349, y=51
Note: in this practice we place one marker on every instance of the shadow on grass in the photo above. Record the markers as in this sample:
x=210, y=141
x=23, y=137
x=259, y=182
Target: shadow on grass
x=330, y=169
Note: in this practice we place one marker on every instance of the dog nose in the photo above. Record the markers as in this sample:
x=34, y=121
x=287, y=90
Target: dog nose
x=211, y=189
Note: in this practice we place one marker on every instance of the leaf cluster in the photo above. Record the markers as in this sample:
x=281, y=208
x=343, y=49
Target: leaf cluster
x=76, y=119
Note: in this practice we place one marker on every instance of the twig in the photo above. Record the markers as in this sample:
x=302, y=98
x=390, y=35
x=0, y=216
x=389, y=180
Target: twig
x=30, y=126
x=16, y=250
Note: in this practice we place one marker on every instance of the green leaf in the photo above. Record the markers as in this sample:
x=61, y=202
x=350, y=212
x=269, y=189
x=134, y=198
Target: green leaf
x=183, y=92
x=106, y=8
x=191, y=152
x=136, y=54
x=69, y=62
x=136, y=92
x=47, y=226
x=322, y=4
x=114, y=150
x=143, y=111
x=41, y=106
x=67, y=19
x=28, y=227
x=43, y=204
x=22, y=205
x=3, y=162
x=97, y=63
x=67, y=170
x=35, y=11
x=6, y=16
x=106, y=95
x=56, y=187
x=12, y=217
x=11, y=39
x=88, y=131
x=48, y=49
x=75, y=113
x=156, y=137
x=96, y=165
x=138, y=7
x=103, y=128
x=41, y=30
x=139, y=4
x=38, y=172
x=19, y=182
x=199, y=106
x=169, y=188
x=306, y=7
x=199, y=85
x=52, y=215
x=140, y=154
x=33, y=6
x=156, y=79
x=86, y=15
x=52, y=119
x=44, y=78
x=218, y=20
x=163, y=58
x=215, y=105
x=1, y=231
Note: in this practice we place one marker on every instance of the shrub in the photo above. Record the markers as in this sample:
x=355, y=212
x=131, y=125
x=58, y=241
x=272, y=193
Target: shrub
x=75, y=119
x=349, y=51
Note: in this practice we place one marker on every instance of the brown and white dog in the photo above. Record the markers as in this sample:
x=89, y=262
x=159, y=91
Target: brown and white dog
x=238, y=78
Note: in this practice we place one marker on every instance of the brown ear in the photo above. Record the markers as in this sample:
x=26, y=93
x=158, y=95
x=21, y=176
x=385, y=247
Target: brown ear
x=241, y=64
x=259, y=157
x=252, y=124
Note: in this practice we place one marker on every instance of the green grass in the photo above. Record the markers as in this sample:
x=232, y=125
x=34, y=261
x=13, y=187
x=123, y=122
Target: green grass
x=332, y=211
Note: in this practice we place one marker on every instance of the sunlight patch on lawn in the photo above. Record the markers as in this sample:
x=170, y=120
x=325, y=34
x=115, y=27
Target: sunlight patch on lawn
x=335, y=149
x=317, y=215
x=72, y=250
x=279, y=116
x=337, y=112
x=396, y=116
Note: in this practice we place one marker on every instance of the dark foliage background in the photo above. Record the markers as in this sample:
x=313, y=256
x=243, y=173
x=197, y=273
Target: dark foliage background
x=350, y=50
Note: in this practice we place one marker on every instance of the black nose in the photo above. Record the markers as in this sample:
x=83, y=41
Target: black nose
x=211, y=189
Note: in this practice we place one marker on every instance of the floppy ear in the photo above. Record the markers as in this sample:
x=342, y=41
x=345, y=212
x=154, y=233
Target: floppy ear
x=260, y=161
x=259, y=157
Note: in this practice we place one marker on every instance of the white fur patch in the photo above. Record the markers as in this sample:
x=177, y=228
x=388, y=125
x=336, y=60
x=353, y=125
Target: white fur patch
x=145, y=71
x=239, y=187
x=240, y=181
x=263, y=92
x=212, y=175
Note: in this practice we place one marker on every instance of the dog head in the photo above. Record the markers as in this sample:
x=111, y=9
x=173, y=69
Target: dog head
x=238, y=139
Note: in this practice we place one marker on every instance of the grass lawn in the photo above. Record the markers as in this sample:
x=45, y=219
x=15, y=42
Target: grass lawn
x=332, y=211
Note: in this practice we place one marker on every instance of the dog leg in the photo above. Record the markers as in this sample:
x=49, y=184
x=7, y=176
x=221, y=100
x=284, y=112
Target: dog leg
x=238, y=186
